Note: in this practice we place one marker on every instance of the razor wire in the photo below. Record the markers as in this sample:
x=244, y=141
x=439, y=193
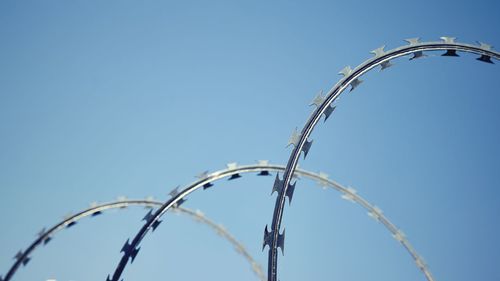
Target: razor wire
x=323, y=104
x=45, y=236
x=234, y=171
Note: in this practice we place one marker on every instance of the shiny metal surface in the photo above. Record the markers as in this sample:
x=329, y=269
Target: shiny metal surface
x=352, y=78
x=263, y=168
x=96, y=209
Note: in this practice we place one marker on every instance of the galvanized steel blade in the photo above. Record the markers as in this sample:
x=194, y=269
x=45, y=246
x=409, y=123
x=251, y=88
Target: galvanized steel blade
x=257, y=168
x=351, y=77
x=22, y=259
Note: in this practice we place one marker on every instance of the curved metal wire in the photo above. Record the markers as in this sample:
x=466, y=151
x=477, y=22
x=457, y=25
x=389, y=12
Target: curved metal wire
x=263, y=168
x=45, y=236
x=351, y=77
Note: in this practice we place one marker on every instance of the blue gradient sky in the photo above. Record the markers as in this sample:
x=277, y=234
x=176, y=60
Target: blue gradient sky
x=106, y=98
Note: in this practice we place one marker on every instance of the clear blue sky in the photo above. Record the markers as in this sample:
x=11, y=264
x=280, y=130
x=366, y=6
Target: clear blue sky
x=106, y=98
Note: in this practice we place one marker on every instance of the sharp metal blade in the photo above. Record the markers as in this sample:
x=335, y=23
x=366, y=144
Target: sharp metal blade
x=278, y=184
x=267, y=238
x=328, y=111
x=281, y=242
x=417, y=55
x=355, y=84
x=233, y=177
x=155, y=224
x=450, y=53
x=306, y=147
x=289, y=192
x=485, y=58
